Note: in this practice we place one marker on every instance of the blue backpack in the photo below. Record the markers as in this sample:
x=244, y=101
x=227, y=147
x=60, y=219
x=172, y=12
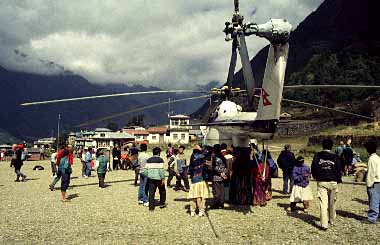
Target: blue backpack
x=273, y=168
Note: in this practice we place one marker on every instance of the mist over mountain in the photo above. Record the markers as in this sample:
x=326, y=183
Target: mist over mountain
x=41, y=120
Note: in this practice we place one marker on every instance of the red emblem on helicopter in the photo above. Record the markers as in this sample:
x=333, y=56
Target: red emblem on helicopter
x=265, y=96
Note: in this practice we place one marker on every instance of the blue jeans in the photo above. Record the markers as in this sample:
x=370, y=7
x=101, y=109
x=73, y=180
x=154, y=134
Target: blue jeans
x=142, y=195
x=374, y=202
x=88, y=169
x=56, y=178
x=287, y=177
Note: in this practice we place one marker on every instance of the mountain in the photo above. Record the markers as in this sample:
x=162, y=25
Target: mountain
x=41, y=120
x=335, y=44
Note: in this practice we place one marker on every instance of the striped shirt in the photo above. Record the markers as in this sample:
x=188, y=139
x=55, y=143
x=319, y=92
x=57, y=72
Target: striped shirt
x=154, y=168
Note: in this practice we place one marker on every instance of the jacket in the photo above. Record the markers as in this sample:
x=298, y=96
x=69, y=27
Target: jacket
x=326, y=167
x=219, y=168
x=179, y=163
x=154, y=168
x=373, y=174
x=70, y=157
x=286, y=161
x=197, y=168
x=102, y=167
x=301, y=175
x=16, y=158
x=141, y=159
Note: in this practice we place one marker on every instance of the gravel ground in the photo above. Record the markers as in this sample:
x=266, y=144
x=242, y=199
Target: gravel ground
x=30, y=213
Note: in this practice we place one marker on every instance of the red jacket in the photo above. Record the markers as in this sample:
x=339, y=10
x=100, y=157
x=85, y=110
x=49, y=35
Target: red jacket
x=70, y=157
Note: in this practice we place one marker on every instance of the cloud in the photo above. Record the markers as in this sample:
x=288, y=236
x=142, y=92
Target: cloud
x=171, y=43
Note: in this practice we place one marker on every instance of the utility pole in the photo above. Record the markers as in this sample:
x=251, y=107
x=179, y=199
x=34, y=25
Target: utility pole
x=59, y=120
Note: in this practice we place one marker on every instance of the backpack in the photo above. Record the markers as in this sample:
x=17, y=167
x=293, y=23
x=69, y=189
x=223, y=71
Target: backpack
x=273, y=169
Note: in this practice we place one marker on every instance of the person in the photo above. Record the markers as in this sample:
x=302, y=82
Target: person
x=301, y=190
x=373, y=182
x=223, y=150
x=347, y=155
x=326, y=170
x=171, y=165
x=64, y=162
x=229, y=160
x=219, y=174
x=2, y=156
x=154, y=170
x=142, y=158
x=116, y=155
x=83, y=161
x=260, y=174
x=58, y=175
x=169, y=151
x=101, y=167
x=267, y=156
x=80, y=152
x=240, y=192
x=340, y=148
x=181, y=168
x=42, y=153
x=198, y=187
x=53, y=163
x=17, y=161
x=88, y=159
x=286, y=161
x=135, y=163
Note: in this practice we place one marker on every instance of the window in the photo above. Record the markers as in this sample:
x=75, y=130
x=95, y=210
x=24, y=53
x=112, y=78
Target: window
x=154, y=137
x=175, y=136
x=183, y=136
x=184, y=122
x=175, y=122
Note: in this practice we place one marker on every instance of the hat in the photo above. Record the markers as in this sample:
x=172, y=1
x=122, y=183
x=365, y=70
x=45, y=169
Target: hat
x=300, y=160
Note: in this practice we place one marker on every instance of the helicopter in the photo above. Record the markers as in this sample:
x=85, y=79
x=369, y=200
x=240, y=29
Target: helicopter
x=227, y=121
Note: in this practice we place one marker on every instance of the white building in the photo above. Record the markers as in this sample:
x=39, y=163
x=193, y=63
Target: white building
x=179, y=129
x=157, y=135
x=102, y=137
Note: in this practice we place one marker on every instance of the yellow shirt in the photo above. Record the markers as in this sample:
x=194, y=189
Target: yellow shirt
x=373, y=174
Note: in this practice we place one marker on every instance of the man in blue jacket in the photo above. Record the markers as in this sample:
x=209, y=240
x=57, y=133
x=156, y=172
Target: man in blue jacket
x=286, y=162
x=327, y=171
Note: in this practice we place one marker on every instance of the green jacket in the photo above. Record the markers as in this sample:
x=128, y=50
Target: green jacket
x=102, y=168
x=154, y=168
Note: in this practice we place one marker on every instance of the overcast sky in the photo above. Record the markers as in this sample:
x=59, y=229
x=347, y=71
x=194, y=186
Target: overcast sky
x=165, y=43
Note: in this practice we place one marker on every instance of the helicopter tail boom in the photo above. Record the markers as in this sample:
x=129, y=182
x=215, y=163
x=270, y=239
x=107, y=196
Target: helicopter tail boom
x=273, y=84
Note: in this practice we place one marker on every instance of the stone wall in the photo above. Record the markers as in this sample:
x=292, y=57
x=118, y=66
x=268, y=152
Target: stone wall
x=299, y=128
x=357, y=141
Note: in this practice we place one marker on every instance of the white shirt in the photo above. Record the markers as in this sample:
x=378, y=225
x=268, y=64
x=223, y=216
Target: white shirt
x=373, y=174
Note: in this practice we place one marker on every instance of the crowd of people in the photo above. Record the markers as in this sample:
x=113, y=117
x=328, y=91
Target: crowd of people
x=238, y=175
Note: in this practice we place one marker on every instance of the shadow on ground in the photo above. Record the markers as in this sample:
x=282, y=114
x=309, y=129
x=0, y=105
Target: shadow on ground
x=365, y=202
x=299, y=214
x=72, y=196
x=350, y=215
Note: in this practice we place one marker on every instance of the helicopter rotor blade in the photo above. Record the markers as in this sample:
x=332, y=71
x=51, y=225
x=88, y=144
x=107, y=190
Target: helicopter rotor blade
x=110, y=95
x=330, y=86
x=247, y=69
x=137, y=109
x=231, y=70
x=327, y=109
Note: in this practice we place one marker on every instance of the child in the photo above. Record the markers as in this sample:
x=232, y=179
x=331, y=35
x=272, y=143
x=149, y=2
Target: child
x=301, y=191
x=198, y=187
x=101, y=166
